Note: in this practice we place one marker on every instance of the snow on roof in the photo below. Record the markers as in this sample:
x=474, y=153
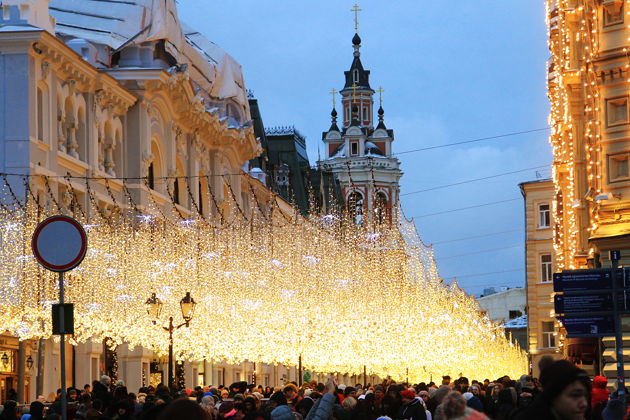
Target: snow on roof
x=119, y=23
x=520, y=322
x=115, y=22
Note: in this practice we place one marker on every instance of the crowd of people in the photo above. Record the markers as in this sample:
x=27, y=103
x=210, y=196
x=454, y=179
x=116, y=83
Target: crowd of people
x=563, y=392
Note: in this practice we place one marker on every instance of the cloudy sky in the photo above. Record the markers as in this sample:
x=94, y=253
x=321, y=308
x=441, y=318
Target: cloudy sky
x=452, y=71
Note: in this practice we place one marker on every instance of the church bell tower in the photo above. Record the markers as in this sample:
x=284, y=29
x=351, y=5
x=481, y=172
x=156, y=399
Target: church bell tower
x=359, y=154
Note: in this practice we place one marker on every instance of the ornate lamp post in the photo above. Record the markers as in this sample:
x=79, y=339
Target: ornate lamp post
x=154, y=309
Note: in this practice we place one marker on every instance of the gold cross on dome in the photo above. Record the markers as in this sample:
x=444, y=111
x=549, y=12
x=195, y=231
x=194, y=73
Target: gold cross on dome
x=380, y=91
x=333, y=92
x=356, y=11
x=354, y=92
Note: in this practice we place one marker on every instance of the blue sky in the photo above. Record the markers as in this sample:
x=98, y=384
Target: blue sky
x=452, y=71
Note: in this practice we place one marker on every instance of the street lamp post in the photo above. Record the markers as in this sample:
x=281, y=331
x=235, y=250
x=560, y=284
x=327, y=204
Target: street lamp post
x=154, y=308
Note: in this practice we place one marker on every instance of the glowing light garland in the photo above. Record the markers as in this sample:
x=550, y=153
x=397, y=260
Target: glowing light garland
x=269, y=288
x=574, y=83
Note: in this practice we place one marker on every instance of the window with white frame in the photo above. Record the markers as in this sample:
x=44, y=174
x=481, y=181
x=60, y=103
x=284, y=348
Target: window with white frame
x=544, y=215
x=546, y=269
x=355, y=76
x=617, y=111
x=548, y=334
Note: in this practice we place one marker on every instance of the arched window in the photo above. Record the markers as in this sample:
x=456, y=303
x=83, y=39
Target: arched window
x=355, y=76
x=151, y=176
x=380, y=208
x=201, y=193
x=179, y=186
x=81, y=135
x=155, y=168
x=355, y=207
x=40, y=114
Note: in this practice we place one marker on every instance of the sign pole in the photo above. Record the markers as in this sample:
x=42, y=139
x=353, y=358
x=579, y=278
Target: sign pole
x=59, y=244
x=62, y=354
x=621, y=383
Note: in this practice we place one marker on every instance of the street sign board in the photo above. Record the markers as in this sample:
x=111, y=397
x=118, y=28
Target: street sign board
x=59, y=243
x=63, y=318
x=593, y=326
x=568, y=304
x=582, y=280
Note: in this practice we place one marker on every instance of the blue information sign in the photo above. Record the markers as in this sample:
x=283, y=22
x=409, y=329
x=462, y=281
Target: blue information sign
x=568, y=304
x=582, y=280
x=592, y=326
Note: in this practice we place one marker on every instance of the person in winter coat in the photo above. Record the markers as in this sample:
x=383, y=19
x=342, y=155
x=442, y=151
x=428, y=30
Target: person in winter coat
x=565, y=395
x=282, y=412
x=411, y=408
x=615, y=410
x=599, y=393
x=322, y=410
x=36, y=412
x=183, y=408
x=10, y=410
x=473, y=402
x=454, y=407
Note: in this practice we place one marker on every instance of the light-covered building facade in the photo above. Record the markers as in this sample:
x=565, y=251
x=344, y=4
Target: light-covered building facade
x=588, y=87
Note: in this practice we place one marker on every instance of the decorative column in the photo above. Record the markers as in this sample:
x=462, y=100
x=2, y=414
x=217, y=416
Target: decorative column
x=88, y=356
x=131, y=364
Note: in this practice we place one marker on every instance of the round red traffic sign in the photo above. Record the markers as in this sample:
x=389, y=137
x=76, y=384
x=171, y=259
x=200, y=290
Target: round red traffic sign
x=59, y=243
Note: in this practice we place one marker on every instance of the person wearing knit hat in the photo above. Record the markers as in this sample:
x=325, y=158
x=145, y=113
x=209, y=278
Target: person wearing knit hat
x=277, y=399
x=565, y=396
x=227, y=410
x=412, y=407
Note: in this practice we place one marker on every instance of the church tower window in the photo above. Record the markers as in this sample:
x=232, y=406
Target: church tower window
x=380, y=208
x=355, y=76
x=355, y=207
x=354, y=148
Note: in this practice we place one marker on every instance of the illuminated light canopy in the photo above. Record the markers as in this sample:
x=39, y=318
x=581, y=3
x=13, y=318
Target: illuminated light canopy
x=271, y=287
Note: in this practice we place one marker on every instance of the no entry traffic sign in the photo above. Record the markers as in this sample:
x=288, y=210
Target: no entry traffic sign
x=59, y=243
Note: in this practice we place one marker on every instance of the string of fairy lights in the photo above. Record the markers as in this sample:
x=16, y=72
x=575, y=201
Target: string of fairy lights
x=270, y=286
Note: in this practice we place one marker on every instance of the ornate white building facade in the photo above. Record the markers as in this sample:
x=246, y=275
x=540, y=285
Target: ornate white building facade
x=120, y=94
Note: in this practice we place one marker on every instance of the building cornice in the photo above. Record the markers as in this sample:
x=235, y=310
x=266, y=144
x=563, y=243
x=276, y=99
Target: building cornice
x=190, y=111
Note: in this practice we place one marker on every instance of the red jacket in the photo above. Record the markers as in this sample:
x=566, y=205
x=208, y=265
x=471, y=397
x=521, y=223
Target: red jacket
x=599, y=392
